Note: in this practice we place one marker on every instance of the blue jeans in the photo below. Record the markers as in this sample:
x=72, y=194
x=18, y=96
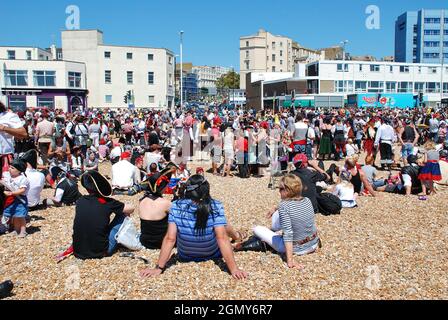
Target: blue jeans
x=407, y=150
x=114, y=226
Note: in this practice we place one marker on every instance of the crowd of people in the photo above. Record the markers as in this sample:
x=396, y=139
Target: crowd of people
x=314, y=155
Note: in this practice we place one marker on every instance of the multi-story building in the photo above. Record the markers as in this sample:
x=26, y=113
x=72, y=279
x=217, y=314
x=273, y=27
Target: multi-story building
x=265, y=52
x=209, y=75
x=29, y=77
x=422, y=36
x=331, y=78
x=112, y=71
x=190, y=86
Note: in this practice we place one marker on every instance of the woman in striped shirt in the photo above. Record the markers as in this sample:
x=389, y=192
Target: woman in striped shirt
x=199, y=227
x=296, y=218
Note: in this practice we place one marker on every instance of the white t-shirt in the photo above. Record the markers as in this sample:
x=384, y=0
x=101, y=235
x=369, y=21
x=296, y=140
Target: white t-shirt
x=116, y=152
x=10, y=120
x=150, y=158
x=125, y=175
x=14, y=184
x=37, y=183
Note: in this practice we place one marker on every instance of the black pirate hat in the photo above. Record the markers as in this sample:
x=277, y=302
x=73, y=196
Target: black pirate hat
x=160, y=180
x=30, y=157
x=94, y=182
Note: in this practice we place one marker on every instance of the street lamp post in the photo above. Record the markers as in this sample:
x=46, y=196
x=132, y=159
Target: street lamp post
x=343, y=43
x=181, y=71
x=443, y=59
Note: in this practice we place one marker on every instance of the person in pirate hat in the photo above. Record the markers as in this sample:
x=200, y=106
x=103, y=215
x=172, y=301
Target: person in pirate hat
x=16, y=204
x=154, y=209
x=93, y=233
x=66, y=193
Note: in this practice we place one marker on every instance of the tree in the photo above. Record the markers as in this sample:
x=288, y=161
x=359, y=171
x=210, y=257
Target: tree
x=230, y=80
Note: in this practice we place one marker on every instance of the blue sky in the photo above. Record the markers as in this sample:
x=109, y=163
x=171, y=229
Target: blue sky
x=212, y=28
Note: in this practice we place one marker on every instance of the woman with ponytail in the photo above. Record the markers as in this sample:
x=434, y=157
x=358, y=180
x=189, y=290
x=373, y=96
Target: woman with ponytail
x=199, y=227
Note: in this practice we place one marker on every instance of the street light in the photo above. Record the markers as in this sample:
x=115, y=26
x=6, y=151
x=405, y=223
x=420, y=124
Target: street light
x=343, y=43
x=181, y=71
x=443, y=61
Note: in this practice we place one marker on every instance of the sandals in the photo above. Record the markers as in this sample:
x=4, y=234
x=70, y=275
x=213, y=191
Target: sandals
x=242, y=236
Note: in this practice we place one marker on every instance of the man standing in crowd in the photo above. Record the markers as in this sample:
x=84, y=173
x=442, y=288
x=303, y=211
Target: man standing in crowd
x=385, y=139
x=44, y=136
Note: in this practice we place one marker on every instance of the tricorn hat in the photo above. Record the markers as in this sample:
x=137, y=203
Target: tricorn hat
x=95, y=182
x=30, y=157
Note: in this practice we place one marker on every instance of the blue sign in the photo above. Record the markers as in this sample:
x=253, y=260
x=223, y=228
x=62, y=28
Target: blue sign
x=382, y=100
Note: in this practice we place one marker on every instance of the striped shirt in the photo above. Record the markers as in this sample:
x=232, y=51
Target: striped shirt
x=297, y=219
x=190, y=245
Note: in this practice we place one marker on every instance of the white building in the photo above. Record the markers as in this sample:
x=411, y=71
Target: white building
x=26, y=83
x=265, y=52
x=24, y=53
x=209, y=75
x=352, y=77
x=112, y=71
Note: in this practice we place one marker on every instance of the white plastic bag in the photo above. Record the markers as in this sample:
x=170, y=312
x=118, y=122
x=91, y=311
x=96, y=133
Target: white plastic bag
x=128, y=236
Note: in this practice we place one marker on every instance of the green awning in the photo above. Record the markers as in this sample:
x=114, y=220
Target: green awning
x=287, y=103
x=304, y=103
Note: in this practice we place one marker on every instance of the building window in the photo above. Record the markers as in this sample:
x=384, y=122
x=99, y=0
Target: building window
x=273, y=69
x=273, y=58
x=44, y=78
x=339, y=86
x=151, y=99
x=360, y=68
x=108, y=98
x=391, y=86
x=391, y=69
x=247, y=65
x=150, y=77
x=361, y=86
x=432, y=32
x=432, y=44
x=130, y=77
x=273, y=45
x=281, y=62
x=281, y=53
x=445, y=87
x=433, y=87
x=247, y=54
x=108, y=77
x=432, y=20
x=404, y=87
x=11, y=55
x=431, y=55
x=445, y=43
x=74, y=79
x=404, y=69
x=376, y=86
x=16, y=78
x=374, y=68
x=247, y=43
x=28, y=55
x=419, y=87
x=151, y=58
x=107, y=54
x=17, y=103
x=432, y=70
x=340, y=66
x=45, y=102
x=129, y=55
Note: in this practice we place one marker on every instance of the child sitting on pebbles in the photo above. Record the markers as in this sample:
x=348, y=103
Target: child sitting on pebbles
x=16, y=204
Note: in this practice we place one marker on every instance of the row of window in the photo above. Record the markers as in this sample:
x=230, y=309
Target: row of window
x=108, y=99
x=130, y=77
x=40, y=78
x=19, y=103
x=435, y=44
x=12, y=55
x=130, y=56
x=435, y=32
x=388, y=86
x=434, y=55
x=377, y=68
x=435, y=20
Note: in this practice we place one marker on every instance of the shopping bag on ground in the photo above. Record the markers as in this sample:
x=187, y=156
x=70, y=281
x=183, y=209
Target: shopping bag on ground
x=128, y=236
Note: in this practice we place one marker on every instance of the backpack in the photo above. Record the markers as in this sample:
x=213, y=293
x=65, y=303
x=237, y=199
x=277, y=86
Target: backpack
x=329, y=204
